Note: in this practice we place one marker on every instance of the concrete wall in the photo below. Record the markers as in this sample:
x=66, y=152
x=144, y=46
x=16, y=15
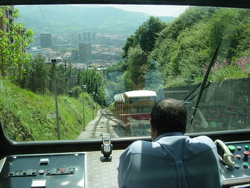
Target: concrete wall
x=225, y=105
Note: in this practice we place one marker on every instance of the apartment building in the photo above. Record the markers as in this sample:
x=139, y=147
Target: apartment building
x=84, y=52
x=45, y=40
x=6, y=14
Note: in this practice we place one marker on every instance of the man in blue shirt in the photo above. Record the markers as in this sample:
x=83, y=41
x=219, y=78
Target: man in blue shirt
x=172, y=160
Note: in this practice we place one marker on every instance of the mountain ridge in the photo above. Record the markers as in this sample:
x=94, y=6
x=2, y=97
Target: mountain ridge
x=65, y=19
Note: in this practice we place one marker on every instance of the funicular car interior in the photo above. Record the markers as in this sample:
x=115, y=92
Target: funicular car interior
x=92, y=162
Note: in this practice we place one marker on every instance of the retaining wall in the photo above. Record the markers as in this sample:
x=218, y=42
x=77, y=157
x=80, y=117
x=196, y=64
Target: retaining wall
x=224, y=105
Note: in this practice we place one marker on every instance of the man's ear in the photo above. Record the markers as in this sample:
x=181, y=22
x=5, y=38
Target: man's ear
x=154, y=132
x=152, y=126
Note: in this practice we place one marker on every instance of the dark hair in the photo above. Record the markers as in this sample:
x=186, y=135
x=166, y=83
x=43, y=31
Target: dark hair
x=169, y=115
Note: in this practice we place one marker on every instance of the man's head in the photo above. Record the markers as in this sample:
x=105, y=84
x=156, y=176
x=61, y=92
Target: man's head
x=168, y=115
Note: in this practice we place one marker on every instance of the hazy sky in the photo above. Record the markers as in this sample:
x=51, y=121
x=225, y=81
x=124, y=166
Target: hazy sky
x=154, y=10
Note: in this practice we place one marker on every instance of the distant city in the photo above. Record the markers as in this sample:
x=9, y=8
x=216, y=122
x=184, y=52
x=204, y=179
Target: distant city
x=82, y=49
x=81, y=35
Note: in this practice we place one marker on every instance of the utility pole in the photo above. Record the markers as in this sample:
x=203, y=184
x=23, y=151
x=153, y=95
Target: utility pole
x=65, y=76
x=56, y=103
x=83, y=107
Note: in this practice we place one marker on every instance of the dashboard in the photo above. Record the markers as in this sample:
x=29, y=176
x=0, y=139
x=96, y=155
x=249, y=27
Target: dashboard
x=88, y=169
x=85, y=167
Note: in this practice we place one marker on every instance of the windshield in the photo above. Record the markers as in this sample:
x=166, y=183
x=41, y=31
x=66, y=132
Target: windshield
x=80, y=72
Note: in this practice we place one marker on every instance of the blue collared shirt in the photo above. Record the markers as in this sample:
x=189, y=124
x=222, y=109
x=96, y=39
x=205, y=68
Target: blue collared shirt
x=172, y=160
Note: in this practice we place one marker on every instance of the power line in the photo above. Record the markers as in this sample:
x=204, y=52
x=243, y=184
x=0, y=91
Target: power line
x=176, y=13
x=36, y=18
x=51, y=29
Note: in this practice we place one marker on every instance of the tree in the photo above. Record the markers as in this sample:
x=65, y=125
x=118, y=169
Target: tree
x=94, y=81
x=116, y=69
x=147, y=33
x=36, y=75
x=12, y=45
x=145, y=36
x=137, y=67
x=129, y=43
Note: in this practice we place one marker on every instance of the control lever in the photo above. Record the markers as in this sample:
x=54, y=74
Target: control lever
x=106, y=149
x=224, y=154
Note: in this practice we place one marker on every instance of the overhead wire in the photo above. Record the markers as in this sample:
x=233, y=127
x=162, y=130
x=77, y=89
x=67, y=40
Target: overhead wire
x=46, y=20
x=36, y=18
x=176, y=13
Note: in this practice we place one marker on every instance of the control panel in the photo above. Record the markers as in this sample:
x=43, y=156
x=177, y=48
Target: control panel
x=44, y=171
x=239, y=167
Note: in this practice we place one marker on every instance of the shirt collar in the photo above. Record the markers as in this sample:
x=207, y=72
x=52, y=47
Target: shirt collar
x=169, y=134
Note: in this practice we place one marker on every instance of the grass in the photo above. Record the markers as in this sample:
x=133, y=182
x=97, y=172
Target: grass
x=27, y=116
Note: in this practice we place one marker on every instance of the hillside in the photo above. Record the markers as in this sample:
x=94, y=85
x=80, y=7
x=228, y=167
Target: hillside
x=25, y=115
x=63, y=19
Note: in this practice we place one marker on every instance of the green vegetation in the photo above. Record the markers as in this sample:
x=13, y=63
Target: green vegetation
x=180, y=51
x=182, y=58
x=27, y=103
x=28, y=116
x=13, y=42
x=29, y=113
x=136, y=52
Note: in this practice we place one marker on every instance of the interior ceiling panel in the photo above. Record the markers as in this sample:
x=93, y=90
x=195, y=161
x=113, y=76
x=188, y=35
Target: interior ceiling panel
x=221, y=3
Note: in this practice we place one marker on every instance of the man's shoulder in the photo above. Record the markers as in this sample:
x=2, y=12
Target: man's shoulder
x=139, y=147
x=203, y=140
x=201, y=144
x=197, y=144
x=199, y=140
x=139, y=144
x=169, y=144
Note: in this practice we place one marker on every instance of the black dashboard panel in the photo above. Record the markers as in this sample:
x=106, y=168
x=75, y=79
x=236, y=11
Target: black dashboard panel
x=74, y=170
x=240, y=150
x=239, y=172
x=49, y=170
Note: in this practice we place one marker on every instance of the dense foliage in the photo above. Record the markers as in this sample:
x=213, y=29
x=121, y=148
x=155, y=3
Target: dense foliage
x=136, y=72
x=182, y=59
x=181, y=50
x=13, y=42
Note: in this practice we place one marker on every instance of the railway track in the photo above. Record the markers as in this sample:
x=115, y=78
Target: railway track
x=107, y=125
